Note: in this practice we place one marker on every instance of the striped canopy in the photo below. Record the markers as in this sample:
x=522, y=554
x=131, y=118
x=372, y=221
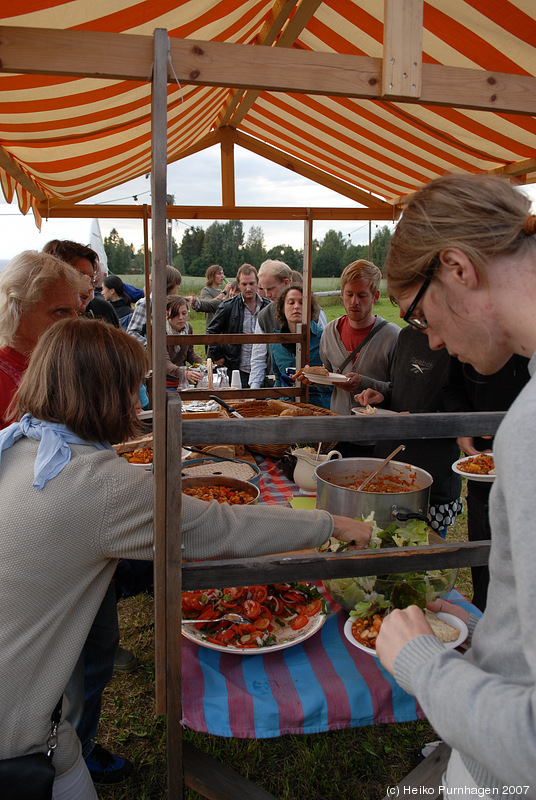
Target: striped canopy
x=65, y=138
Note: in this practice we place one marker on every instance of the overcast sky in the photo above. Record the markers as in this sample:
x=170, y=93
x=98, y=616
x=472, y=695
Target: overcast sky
x=196, y=181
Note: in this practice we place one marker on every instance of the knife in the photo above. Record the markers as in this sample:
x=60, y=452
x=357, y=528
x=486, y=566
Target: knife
x=226, y=406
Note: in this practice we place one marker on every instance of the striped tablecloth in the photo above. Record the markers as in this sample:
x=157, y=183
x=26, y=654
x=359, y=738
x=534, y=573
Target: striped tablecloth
x=321, y=685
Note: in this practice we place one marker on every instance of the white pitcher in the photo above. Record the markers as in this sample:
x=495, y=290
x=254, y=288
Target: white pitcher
x=306, y=464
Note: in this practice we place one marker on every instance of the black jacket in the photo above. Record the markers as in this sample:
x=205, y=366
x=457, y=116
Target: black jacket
x=229, y=318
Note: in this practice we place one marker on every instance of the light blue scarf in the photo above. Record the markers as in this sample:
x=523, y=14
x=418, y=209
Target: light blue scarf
x=53, y=453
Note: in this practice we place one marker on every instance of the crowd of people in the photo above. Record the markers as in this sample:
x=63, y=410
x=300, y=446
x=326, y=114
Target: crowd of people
x=72, y=366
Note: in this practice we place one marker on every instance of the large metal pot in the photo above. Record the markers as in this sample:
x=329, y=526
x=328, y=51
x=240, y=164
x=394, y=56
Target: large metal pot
x=388, y=507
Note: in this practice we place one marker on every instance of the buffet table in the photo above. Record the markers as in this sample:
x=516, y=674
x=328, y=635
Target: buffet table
x=322, y=684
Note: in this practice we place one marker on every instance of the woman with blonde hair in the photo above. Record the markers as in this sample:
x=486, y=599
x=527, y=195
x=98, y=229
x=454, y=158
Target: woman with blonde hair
x=462, y=268
x=71, y=507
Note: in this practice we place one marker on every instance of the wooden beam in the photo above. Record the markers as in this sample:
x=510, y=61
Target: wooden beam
x=13, y=169
x=402, y=49
x=525, y=167
x=279, y=430
x=158, y=299
x=93, y=210
x=311, y=566
x=227, y=169
x=212, y=779
x=307, y=171
x=127, y=57
x=293, y=28
x=268, y=33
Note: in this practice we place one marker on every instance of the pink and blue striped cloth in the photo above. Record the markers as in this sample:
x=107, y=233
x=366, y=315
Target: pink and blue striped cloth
x=323, y=684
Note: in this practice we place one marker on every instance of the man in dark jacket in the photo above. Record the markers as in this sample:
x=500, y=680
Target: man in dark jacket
x=237, y=315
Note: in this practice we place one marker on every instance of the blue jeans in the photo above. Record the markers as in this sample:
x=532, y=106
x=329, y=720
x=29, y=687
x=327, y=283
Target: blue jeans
x=93, y=671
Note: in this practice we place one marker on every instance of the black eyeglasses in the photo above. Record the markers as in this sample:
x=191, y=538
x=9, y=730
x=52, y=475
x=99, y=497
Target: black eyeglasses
x=417, y=322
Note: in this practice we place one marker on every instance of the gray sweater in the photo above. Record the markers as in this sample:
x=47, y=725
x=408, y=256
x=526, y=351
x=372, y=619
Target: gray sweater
x=373, y=362
x=58, y=551
x=484, y=703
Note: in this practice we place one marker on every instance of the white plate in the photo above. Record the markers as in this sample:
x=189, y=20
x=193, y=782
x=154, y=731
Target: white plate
x=326, y=380
x=451, y=619
x=469, y=475
x=380, y=412
x=145, y=414
x=314, y=625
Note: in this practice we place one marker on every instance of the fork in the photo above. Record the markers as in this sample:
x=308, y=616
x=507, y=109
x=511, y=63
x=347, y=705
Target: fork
x=227, y=617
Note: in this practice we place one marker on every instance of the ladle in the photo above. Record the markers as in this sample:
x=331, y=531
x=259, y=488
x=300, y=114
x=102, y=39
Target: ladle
x=380, y=467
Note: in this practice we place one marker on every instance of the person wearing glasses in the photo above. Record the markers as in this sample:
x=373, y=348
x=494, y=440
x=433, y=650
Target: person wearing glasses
x=462, y=268
x=86, y=262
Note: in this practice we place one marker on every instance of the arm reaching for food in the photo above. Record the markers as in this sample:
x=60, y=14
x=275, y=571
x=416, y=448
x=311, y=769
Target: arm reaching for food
x=369, y=397
x=352, y=530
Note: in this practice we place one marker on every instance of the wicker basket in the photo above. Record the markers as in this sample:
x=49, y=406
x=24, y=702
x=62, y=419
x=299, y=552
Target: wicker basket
x=260, y=408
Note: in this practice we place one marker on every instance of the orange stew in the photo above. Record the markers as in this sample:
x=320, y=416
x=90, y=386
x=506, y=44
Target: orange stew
x=478, y=465
x=223, y=494
x=143, y=455
x=366, y=629
x=382, y=483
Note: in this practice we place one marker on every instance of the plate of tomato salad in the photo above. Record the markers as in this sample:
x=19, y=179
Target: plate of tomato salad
x=279, y=615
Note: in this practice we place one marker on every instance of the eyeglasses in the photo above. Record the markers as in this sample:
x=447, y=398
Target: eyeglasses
x=421, y=323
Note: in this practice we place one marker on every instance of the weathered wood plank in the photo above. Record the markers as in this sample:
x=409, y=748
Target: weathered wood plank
x=129, y=57
x=426, y=778
x=321, y=566
x=279, y=430
x=214, y=780
x=402, y=48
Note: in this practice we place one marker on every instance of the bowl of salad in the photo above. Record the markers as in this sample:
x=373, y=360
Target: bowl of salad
x=400, y=589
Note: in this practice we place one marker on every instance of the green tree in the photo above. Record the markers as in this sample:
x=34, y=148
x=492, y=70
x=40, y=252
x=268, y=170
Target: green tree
x=253, y=250
x=380, y=246
x=120, y=255
x=286, y=253
x=221, y=245
x=190, y=250
x=331, y=256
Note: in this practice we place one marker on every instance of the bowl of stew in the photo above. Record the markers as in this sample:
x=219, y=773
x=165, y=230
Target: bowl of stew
x=222, y=489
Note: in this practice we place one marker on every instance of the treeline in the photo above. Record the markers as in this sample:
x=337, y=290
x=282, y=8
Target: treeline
x=224, y=243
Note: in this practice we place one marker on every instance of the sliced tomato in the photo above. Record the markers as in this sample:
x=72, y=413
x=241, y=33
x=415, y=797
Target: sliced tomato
x=265, y=612
x=299, y=622
x=313, y=607
x=234, y=591
x=261, y=623
x=258, y=593
x=228, y=604
x=293, y=597
x=207, y=614
x=193, y=601
x=224, y=637
x=251, y=609
x=277, y=605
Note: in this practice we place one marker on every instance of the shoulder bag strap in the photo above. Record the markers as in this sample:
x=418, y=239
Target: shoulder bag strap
x=363, y=342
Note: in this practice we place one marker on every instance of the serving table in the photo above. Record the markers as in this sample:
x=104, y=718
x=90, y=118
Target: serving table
x=322, y=684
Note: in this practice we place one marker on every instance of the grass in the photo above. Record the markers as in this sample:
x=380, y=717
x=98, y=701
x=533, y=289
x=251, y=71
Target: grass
x=354, y=764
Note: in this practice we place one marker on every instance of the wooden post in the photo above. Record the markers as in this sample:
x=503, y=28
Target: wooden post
x=147, y=272
x=307, y=277
x=227, y=168
x=402, y=48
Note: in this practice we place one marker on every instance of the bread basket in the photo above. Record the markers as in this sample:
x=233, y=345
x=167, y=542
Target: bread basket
x=260, y=408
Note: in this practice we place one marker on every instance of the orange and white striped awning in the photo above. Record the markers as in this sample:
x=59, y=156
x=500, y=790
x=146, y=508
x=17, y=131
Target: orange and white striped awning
x=64, y=138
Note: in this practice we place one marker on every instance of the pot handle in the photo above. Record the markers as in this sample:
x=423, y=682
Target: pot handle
x=403, y=517
x=333, y=454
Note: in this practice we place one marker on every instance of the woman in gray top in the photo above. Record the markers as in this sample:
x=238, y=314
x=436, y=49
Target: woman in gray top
x=462, y=267
x=70, y=508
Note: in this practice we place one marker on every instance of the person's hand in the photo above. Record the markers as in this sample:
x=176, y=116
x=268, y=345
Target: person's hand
x=369, y=397
x=353, y=382
x=448, y=608
x=467, y=445
x=398, y=628
x=193, y=375
x=352, y=530
x=220, y=362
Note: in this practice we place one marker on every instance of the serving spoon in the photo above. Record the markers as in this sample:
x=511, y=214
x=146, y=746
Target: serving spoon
x=231, y=617
x=380, y=467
